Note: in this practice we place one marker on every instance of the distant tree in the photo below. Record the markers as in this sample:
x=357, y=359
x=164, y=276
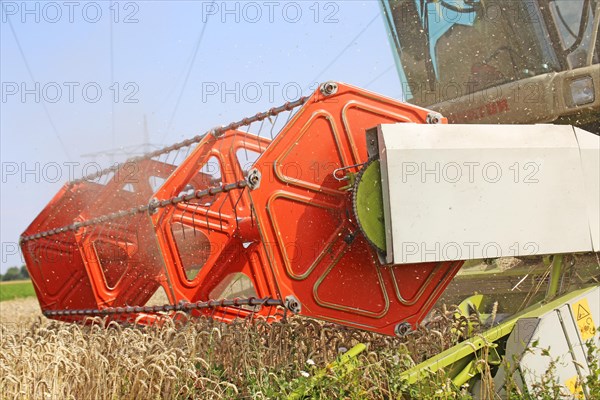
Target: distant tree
x=12, y=274
x=24, y=272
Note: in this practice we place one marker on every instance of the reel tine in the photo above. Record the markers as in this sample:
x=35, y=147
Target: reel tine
x=260, y=128
x=245, y=146
x=235, y=208
x=273, y=125
x=225, y=198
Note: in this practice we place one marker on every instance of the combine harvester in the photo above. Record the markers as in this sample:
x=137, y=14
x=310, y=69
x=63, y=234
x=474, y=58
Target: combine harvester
x=354, y=208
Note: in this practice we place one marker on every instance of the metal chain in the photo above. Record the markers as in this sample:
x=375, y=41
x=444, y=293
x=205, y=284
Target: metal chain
x=151, y=207
x=154, y=205
x=182, y=306
x=216, y=132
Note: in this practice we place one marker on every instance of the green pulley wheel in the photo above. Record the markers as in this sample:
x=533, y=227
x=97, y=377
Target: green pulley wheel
x=367, y=202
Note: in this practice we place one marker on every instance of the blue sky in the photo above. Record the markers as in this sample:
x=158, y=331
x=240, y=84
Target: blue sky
x=253, y=49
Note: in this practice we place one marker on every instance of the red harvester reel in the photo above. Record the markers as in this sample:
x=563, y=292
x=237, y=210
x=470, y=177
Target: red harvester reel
x=257, y=218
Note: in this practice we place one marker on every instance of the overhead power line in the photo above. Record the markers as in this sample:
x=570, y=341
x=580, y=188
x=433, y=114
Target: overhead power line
x=112, y=81
x=187, y=76
x=62, y=144
x=385, y=71
x=341, y=53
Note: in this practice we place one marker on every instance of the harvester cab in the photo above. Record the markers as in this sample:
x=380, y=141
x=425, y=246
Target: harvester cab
x=492, y=61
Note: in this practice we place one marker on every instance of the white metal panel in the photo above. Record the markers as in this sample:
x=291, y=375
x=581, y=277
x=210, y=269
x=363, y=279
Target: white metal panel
x=590, y=162
x=553, y=337
x=483, y=191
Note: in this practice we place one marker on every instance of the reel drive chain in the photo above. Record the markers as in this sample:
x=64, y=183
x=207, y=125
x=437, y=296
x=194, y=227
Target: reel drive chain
x=182, y=306
x=196, y=139
x=152, y=207
x=177, y=199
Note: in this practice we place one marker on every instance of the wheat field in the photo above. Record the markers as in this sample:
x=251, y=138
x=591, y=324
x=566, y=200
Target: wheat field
x=206, y=359
x=202, y=359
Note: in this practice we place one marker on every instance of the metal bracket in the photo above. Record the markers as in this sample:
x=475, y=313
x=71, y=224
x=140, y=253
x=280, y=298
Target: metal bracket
x=153, y=206
x=402, y=329
x=434, y=118
x=329, y=88
x=292, y=304
x=216, y=131
x=253, y=179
